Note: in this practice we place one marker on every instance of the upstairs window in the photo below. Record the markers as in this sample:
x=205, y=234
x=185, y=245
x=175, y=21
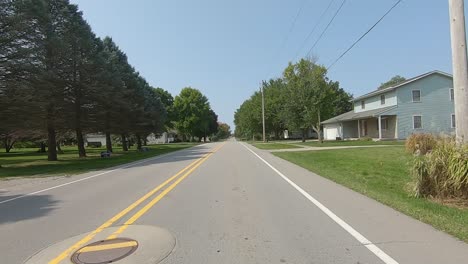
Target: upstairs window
x=382, y=99
x=417, y=122
x=416, y=95
x=363, y=104
x=452, y=95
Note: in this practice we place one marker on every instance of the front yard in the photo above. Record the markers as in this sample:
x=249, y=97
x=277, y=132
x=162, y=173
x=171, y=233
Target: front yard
x=344, y=143
x=28, y=162
x=382, y=174
x=274, y=146
x=335, y=143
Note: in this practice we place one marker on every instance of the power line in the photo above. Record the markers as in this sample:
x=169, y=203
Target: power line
x=293, y=24
x=328, y=25
x=313, y=29
x=344, y=53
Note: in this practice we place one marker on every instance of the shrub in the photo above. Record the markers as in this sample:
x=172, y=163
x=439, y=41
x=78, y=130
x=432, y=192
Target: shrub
x=420, y=143
x=365, y=139
x=443, y=172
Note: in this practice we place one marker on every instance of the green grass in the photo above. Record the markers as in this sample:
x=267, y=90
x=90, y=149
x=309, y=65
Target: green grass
x=350, y=143
x=28, y=162
x=274, y=146
x=295, y=144
x=382, y=174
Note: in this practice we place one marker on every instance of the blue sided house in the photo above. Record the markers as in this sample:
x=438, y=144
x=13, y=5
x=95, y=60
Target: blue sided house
x=423, y=104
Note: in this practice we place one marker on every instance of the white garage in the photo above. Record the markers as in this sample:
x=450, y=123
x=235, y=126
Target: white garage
x=332, y=131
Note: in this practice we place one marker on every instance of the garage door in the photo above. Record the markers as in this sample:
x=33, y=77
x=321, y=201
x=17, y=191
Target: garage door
x=331, y=132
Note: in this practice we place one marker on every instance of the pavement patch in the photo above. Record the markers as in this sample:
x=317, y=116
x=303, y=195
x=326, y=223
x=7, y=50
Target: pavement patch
x=105, y=251
x=148, y=245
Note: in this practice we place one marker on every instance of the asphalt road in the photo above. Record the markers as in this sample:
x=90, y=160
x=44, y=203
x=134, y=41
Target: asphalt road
x=231, y=203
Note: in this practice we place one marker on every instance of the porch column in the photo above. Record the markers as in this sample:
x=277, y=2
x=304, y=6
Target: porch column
x=396, y=127
x=359, y=128
x=380, y=127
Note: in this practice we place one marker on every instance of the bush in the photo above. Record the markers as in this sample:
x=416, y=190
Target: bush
x=365, y=139
x=443, y=172
x=420, y=143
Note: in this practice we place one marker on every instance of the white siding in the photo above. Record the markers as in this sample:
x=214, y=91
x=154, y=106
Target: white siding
x=332, y=131
x=374, y=102
x=95, y=138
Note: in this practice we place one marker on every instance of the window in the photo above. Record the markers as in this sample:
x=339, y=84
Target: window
x=384, y=124
x=417, y=122
x=363, y=104
x=416, y=95
x=452, y=96
x=453, y=120
x=382, y=99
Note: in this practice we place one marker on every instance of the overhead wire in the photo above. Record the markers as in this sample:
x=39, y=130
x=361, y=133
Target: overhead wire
x=326, y=28
x=291, y=28
x=292, y=25
x=360, y=38
x=313, y=29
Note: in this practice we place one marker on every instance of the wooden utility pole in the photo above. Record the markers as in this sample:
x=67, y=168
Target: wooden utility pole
x=263, y=113
x=460, y=68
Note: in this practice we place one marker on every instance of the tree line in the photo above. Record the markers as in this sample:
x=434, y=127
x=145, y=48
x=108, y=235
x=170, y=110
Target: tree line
x=298, y=101
x=57, y=78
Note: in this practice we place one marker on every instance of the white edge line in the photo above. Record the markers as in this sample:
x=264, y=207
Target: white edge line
x=353, y=232
x=96, y=175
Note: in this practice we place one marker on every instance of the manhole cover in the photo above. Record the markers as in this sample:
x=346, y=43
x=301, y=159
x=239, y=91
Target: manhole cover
x=105, y=251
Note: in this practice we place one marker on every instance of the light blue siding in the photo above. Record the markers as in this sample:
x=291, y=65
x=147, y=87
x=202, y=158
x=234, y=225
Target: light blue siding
x=375, y=103
x=435, y=106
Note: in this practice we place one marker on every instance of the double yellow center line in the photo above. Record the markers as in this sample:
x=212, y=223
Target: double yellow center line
x=185, y=171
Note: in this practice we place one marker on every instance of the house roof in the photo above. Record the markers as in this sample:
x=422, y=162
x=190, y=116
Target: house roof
x=351, y=115
x=377, y=92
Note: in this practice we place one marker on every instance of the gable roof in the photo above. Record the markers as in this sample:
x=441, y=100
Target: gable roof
x=377, y=92
x=351, y=115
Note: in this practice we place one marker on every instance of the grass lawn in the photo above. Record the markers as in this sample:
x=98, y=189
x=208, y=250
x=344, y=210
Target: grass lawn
x=274, y=146
x=382, y=174
x=27, y=162
x=350, y=143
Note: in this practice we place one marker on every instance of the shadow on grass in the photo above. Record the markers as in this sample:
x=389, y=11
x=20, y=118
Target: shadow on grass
x=32, y=164
x=28, y=207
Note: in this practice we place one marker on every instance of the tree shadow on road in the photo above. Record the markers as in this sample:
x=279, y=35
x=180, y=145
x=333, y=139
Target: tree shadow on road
x=28, y=207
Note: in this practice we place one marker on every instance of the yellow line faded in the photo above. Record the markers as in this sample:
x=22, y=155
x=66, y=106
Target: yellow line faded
x=147, y=207
x=118, y=216
x=108, y=246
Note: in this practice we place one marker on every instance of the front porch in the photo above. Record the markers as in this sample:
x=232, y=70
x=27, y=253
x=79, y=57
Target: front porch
x=379, y=124
x=381, y=128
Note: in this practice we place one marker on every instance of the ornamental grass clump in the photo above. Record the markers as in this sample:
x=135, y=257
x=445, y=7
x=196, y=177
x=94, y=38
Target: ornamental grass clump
x=442, y=171
x=420, y=143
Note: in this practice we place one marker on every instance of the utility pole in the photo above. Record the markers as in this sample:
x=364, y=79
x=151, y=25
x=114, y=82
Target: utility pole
x=263, y=113
x=460, y=68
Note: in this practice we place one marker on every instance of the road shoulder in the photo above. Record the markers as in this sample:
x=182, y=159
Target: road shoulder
x=402, y=237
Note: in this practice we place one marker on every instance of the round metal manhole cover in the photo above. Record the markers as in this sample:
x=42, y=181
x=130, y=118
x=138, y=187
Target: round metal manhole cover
x=105, y=251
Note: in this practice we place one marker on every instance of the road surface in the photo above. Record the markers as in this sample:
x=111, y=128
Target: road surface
x=223, y=203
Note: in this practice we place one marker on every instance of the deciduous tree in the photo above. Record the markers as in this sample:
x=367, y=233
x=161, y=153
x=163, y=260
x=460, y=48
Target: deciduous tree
x=395, y=80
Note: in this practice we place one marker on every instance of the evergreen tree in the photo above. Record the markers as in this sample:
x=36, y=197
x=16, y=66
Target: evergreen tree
x=82, y=66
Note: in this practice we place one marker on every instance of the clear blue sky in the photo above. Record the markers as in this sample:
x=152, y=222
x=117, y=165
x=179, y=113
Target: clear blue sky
x=225, y=48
